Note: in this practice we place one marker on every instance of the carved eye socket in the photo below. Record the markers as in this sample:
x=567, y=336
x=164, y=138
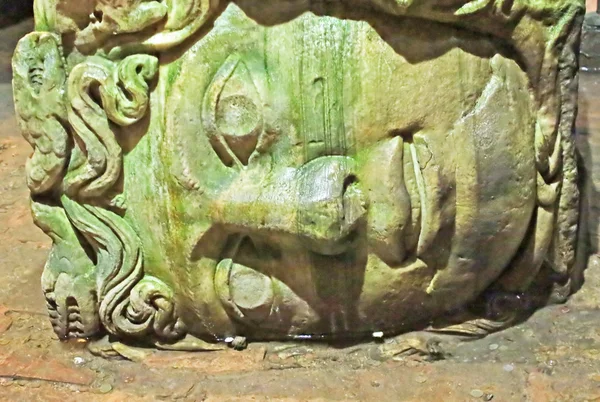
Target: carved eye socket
x=232, y=118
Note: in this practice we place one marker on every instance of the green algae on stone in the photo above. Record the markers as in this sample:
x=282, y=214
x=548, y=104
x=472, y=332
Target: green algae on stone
x=283, y=169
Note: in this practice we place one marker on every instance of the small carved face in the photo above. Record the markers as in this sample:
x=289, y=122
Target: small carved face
x=329, y=176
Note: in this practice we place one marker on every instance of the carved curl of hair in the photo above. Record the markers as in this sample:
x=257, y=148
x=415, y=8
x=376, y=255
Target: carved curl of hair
x=77, y=160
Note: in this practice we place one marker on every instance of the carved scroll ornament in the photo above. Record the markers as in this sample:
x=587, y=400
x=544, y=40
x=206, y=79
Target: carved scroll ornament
x=338, y=233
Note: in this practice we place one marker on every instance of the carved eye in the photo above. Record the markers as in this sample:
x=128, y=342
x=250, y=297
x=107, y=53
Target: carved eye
x=232, y=114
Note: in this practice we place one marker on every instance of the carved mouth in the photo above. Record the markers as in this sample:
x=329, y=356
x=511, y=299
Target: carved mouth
x=253, y=297
x=65, y=320
x=250, y=286
x=71, y=306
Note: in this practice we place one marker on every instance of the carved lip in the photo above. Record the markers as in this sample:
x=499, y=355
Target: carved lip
x=255, y=298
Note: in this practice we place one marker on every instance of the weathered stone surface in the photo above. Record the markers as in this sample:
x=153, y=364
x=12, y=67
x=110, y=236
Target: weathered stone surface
x=274, y=170
x=218, y=362
x=5, y=320
x=36, y=367
x=588, y=146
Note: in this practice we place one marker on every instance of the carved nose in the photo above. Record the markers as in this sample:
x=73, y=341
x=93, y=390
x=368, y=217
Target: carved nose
x=320, y=203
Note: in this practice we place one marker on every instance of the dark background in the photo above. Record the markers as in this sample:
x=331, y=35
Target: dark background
x=12, y=11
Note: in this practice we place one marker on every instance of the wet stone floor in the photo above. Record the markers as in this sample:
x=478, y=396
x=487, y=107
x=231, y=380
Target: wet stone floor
x=554, y=356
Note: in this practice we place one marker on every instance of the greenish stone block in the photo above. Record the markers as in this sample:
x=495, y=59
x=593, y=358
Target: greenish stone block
x=294, y=169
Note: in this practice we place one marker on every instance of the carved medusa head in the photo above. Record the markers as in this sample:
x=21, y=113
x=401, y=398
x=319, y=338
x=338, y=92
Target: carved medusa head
x=276, y=169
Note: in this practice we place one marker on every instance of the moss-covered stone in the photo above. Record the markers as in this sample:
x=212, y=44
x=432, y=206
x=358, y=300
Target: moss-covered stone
x=277, y=169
